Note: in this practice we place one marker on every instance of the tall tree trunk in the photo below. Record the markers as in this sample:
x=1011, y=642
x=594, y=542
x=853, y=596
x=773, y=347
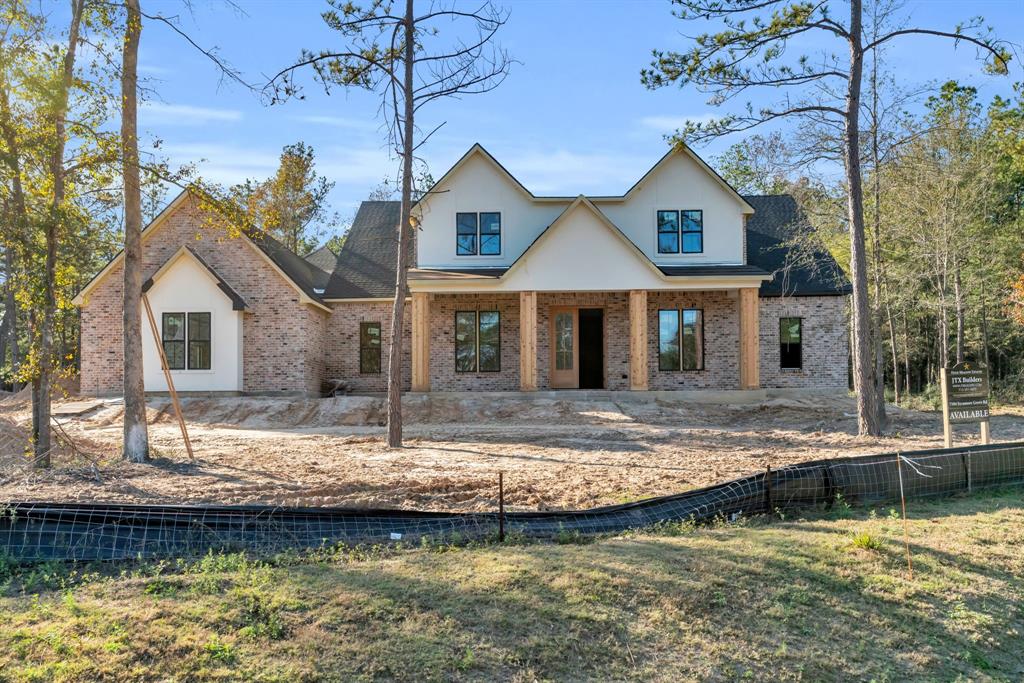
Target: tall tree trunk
x=876, y=240
x=868, y=410
x=984, y=324
x=895, y=353
x=17, y=231
x=136, y=437
x=54, y=224
x=404, y=231
x=906, y=352
x=11, y=311
x=958, y=302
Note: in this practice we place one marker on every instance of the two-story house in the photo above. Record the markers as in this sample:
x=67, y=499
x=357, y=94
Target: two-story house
x=679, y=283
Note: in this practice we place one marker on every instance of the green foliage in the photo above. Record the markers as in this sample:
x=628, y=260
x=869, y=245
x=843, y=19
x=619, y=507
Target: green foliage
x=865, y=540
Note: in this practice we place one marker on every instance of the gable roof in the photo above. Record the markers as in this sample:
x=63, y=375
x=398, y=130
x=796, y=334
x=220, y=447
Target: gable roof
x=366, y=265
x=237, y=302
x=302, y=275
x=478, y=150
x=322, y=258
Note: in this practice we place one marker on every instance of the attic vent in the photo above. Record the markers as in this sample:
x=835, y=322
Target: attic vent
x=319, y=290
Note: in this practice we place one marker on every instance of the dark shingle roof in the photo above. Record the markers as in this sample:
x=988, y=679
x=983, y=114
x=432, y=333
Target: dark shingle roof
x=308, y=277
x=798, y=272
x=322, y=258
x=366, y=264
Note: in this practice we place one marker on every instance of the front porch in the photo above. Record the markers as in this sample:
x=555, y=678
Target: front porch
x=534, y=341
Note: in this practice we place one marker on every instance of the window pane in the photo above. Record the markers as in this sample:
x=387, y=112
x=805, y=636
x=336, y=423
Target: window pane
x=693, y=345
x=198, y=341
x=369, y=348
x=668, y=340
x=693, y=221
x=790, y=347
x=668, y=221
x=563, y=341
x=199, y=326
x=490, y=223
x=790, y=330
x=173, y=336
x=490, y=341
x=668, y=232
x=175, y=353
x=199, y=355
x=668, y=243
x=174, y=326
x=465, y=238
x=490, y=245
x=693, y=242
x=465, y=341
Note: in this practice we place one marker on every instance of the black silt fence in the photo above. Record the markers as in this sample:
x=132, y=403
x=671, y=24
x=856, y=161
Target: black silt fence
x=34, y=532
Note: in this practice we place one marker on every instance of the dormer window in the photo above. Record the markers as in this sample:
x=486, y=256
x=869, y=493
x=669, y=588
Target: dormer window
x=478, y=233
x=681, y=232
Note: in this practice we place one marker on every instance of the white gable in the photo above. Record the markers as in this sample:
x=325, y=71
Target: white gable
x=478, y=184
x=681, y=182
x=184, y=286
x=581, y=252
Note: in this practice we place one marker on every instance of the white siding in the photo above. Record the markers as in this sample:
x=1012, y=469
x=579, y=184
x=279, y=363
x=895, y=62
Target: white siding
x=188, y=287
x=681, y=183
x=479, y=186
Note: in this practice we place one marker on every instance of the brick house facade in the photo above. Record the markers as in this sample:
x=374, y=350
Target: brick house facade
x=586, y=269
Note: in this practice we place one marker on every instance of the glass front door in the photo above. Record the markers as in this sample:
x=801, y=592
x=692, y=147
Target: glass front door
x=565, y=348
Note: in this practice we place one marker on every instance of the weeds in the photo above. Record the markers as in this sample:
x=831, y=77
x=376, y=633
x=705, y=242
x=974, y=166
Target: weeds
x=864, y=540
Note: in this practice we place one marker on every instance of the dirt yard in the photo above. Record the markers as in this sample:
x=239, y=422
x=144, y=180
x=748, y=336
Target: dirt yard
x=556, y=454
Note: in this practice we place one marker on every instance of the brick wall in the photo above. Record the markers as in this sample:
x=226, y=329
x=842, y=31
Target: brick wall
x=283, y=339
x=721, y=341
x=442, y=343
x=341, y=346
x=616, y=333
x=825, y=342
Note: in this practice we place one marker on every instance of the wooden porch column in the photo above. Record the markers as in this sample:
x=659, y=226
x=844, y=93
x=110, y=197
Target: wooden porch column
x=420, y=341
x=528, y=341
x=638, y=340
x=750, y=336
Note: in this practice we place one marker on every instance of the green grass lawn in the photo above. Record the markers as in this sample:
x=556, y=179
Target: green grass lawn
x=821, y=597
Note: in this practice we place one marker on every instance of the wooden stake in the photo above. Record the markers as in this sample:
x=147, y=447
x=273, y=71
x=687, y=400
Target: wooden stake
x=903, y=504
x=501, y=507
x=167, y=376
x=986, y=435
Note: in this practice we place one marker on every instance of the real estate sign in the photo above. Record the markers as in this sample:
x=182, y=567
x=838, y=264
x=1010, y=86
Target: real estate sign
x=965, y=397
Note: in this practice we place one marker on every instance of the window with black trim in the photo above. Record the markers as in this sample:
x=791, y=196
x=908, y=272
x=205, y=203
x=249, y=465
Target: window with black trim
x=477, y=341
x=173, y=337
x=369, y=348
x=791, y=343
x=681, y=339
x=478, y=233
x=186, y=338
x=199, y=341
x=680, y=232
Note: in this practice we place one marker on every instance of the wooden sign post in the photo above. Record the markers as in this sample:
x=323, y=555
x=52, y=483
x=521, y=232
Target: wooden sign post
x=965, y=399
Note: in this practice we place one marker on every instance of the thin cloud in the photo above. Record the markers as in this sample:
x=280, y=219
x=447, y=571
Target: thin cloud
x=564, y=172
x=185, y=114
x=670, y=124
x=337, y=121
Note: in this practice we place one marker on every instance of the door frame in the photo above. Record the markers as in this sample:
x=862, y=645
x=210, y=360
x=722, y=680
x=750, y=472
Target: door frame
x=564, y=379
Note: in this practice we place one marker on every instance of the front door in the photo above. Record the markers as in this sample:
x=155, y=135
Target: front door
x=565, y=351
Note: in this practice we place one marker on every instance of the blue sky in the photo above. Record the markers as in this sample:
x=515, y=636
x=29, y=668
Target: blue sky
x=572, y=117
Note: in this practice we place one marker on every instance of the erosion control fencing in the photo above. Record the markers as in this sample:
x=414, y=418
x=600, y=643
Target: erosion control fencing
x=33, y=532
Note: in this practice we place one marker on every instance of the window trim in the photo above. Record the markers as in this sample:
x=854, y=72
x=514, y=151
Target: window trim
x=185, y=313
x=189, y=341
x=476, y=341
x=681, y=251
x=479, y=235
x=183, y=341
x=380, y=343
x=703, y=347
x=800, y=365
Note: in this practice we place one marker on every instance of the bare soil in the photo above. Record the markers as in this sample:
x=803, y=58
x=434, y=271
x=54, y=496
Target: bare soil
x=556, y=454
